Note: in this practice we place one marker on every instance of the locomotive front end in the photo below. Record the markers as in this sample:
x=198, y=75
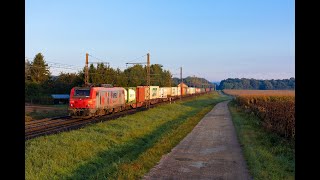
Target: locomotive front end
x=81, y=103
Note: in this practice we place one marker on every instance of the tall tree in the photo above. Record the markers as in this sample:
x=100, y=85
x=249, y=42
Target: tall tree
x=39, y=70
x=136, y=75
x=66, y=81
x=27, y=66
x=121, y=79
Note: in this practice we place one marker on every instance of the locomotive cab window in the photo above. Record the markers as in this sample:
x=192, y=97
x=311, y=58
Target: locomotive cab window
x=82, y=93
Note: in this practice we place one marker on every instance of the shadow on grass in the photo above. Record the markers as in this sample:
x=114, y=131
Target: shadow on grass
x=104, y=165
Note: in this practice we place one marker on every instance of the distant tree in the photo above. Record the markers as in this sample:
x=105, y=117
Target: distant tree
x=39, y=70
x=27, y=72
x=65, y=82
x=155, y=75
x=266, y=85
x=32, y=89
x=166, y=79
x=244, y=83
x=110, y=76
x=136, y=76
x=254, y=84
x=291, y=83
x=121, y=80
x=93, y=75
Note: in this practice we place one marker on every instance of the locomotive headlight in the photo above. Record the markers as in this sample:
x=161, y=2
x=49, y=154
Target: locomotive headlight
x=71, y=105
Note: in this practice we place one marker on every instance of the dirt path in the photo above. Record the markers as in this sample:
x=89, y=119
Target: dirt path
x=210, y=151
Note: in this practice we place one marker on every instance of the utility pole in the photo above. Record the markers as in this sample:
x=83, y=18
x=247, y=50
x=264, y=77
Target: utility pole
x=201, y=82
x=181, y=83
x=86, y=76
x=194, y=81
x=148, y=78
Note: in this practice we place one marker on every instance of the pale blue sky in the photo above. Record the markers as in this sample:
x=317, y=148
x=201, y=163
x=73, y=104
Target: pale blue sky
x=211, y=39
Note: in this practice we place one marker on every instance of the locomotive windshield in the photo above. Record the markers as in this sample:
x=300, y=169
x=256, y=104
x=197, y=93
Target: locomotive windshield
x=82, y=92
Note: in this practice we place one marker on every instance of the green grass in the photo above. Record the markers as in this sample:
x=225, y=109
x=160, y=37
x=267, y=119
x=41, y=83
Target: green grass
x=125, y=148
x=268, y=156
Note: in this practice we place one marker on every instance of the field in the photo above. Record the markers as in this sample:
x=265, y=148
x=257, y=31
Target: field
x=268, y=155
x=125, y=148
x=265, y=125
x=276, y=109
x=235, y=92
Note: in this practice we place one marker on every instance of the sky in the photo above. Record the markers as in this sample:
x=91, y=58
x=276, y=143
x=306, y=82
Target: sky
x=212, y=39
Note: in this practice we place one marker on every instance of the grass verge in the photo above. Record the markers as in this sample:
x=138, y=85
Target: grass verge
x=36, y=114
x=268, y=155
x=125, y=148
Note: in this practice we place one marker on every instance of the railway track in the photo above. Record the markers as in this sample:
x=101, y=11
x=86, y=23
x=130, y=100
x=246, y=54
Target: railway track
x=66, y=123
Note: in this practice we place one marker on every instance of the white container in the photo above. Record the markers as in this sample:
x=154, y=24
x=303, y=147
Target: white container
x=162, y=92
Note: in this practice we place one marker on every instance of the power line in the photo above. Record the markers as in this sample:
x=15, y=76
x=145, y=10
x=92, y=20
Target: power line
x=95, y=57
x=136, y=59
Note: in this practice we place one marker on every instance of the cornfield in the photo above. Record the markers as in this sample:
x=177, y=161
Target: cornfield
x=276, y=108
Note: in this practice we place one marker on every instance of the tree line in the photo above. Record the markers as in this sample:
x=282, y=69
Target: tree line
x=243, y=83
x=193, y=82
x=40, y=84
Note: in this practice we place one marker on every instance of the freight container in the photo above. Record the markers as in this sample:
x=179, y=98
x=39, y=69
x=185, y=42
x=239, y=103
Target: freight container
x=169, y=90
x=174, y=91
x=140, y=94
x=162, y=92
x=154, y=92
x=191, y=90
x=202, y=90
x=130, y=94
x=184, y=90
x=198, y=90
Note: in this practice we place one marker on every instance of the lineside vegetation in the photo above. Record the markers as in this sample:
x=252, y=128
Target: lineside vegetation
x=125, y=148
x=276, y=109
x=268, y=155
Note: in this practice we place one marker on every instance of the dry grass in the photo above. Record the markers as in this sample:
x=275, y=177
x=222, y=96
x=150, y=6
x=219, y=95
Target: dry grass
x=236, y=92
x=275, y=108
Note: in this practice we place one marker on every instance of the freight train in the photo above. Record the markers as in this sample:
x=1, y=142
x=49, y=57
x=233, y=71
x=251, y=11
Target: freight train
x=97, y=101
